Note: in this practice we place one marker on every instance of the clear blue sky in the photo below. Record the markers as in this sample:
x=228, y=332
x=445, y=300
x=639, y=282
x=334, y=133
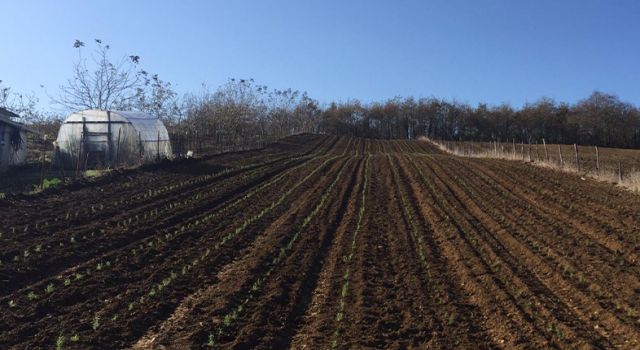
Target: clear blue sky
x=510, y=51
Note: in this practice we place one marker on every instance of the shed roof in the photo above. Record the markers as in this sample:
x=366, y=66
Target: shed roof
x=5, y=118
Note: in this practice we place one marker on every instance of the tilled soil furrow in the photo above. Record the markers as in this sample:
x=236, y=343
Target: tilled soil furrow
x=610, y=240
x=108, y=290
x=583, y=263
x=319, y=242
x=565, y=291
x=51, y=207
x=68, y=249
x=454, y=314
x=319, y=318
x=560, y=322
x=503, y=316
x=220, y=309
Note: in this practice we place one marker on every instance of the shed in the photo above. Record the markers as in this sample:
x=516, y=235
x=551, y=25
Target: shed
x=13, y=140
x=97, y=138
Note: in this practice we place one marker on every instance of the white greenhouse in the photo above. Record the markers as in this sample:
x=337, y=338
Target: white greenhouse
x=99, y=139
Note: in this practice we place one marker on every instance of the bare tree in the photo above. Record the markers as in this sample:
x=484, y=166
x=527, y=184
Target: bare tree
x=100, y=83
x=24, y=105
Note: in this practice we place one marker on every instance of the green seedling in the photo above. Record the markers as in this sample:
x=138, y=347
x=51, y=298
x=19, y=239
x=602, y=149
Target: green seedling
x=60, y=342
x=96, y=323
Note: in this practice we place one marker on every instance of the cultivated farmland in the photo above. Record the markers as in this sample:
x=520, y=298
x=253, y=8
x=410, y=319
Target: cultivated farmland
x=322, y=242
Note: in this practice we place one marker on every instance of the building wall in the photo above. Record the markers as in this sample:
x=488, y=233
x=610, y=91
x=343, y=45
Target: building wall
x=9, y=156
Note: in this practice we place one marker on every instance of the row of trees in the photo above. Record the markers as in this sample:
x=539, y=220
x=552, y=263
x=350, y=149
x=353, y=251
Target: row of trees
x=239, y=112
x=242, y=110
x=600, y=119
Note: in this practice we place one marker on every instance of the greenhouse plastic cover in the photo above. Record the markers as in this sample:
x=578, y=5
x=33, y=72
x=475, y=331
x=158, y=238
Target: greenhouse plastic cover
x=148, y=126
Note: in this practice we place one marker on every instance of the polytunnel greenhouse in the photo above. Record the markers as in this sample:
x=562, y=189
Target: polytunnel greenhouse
x=100, y=139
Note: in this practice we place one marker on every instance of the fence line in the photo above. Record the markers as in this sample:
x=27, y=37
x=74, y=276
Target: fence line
x=618, y=166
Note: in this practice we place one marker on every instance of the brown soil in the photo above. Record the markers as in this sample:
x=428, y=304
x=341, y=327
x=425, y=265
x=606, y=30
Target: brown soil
x=323, y=242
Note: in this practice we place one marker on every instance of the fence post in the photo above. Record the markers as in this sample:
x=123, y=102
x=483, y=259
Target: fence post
x=575, y=149
x=546, y=153
x=513, y=142
x=619, y=171
x=560, y=153
x=59, y=161
x=81, y=148
x=44, y=144
x=597, y=161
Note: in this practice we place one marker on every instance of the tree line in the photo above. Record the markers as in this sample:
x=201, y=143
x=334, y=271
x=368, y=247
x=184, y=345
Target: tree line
x=242, y=111
x=600, y=119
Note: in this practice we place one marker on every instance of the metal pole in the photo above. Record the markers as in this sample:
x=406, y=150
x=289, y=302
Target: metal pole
x=109, y=155
x=118, y=148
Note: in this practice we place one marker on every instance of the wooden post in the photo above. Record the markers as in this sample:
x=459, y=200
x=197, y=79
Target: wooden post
x=575, y=149
x=59, y=161
x=81, y=149
x=44, y=144
x=513, y=142
x=529, y=151
x=560, y=153
x=522, y=150
x=546, y=153
x=619, y=171
x=597, y=161
x=495, y=148
x=537, y=152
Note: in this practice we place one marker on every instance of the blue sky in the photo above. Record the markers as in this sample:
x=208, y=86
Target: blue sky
x=473, y=51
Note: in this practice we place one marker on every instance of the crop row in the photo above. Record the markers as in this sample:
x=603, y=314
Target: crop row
x=344, y=291
x=185, y=265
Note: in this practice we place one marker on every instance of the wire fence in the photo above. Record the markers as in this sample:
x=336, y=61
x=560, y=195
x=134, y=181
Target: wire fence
x=614, y=165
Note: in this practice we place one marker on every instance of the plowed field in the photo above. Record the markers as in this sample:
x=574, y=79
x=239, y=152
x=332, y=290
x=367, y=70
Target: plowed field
x=322, y=242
